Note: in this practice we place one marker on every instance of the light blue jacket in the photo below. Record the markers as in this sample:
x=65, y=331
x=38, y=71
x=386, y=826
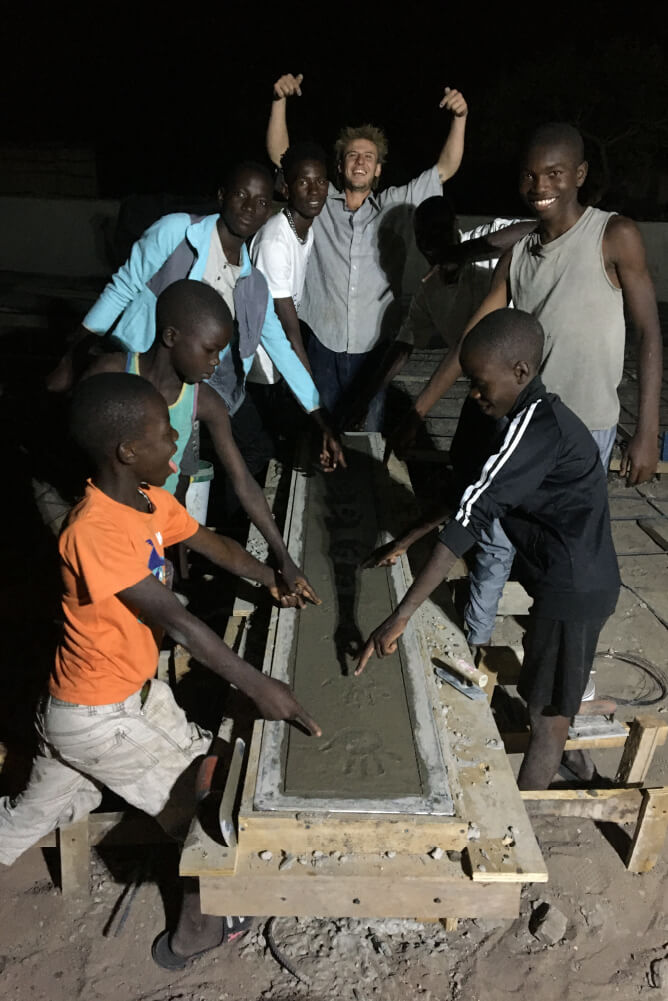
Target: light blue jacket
x=128, y=301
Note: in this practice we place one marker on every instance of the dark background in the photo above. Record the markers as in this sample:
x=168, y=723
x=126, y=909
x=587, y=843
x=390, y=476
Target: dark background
x=169, y=100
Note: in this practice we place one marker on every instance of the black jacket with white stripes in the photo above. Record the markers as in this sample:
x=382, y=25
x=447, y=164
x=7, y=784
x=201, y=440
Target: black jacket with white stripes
x=542, y=476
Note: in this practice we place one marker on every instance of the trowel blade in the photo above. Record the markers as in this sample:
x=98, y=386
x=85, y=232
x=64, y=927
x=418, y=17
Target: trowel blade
x=225, y=812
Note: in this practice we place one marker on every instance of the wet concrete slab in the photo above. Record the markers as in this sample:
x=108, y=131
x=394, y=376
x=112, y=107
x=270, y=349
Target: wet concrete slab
x=380, y=750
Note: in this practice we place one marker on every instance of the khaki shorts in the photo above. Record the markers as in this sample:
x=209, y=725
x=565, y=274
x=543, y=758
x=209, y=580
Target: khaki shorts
x=146, y=751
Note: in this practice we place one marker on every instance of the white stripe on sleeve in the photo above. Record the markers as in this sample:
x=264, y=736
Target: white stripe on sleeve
x=495, y=463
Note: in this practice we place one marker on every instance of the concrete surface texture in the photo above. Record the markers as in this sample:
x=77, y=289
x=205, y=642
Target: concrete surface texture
x=368, y=750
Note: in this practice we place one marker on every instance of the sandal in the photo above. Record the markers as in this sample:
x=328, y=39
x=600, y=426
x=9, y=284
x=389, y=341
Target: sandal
x=165, y=957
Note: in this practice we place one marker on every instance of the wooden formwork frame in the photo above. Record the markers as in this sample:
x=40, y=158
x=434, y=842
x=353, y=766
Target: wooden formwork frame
x=378, y=865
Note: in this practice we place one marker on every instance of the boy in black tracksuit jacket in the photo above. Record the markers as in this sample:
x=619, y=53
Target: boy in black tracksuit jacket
x=540, y=473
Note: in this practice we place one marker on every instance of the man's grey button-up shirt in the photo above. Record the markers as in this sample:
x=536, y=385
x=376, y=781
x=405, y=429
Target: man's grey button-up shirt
x=355, y=268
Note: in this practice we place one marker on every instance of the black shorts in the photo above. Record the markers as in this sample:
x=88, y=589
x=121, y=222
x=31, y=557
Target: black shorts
x=558, y=657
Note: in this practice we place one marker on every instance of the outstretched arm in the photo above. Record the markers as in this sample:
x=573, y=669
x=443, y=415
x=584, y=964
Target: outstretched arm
x=449, y=370
x=383, y=640
x=453, y=150
x=278, y=139
x=212, y=410
x=624, y=249
x=389, y=553
x=159, y=606
x=287, y=314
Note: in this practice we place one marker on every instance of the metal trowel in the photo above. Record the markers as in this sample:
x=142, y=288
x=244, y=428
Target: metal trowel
x=226, y=809
x=467, y=688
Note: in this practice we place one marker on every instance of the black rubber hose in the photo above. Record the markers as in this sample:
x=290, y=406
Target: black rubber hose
x=657, y=675
x=280, y=958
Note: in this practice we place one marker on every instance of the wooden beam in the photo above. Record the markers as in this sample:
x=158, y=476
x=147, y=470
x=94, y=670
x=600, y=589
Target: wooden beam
x=375, y=896
x=73, y=851
x=647, y=733
x=349, y=832
x=615, y=466
x=517, y=741
x=619, y=806
x=650, y=832
x=657, y=529
x=494, y=861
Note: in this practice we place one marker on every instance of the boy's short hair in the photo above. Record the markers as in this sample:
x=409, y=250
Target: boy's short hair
x=299, y=152
x=352, y=132
x=509, y=335
x=557, y=134
x=107, y=409
x=186, y=302
x=253, y=165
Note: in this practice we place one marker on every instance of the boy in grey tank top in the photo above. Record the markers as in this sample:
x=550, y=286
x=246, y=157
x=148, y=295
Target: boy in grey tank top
x=575, y=274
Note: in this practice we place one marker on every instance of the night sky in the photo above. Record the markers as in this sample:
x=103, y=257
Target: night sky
x=168, y=104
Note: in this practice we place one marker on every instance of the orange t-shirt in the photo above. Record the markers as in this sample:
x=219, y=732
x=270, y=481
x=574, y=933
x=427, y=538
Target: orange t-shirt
x=107, y=652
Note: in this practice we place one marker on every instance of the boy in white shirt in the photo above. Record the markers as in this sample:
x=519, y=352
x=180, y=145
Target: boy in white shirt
x=282, y=247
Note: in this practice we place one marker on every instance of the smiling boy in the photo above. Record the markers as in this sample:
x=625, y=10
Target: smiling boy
x=210, y=249
x=577, y=274
x=194, y=326
x=281, y=249
x=542, y=476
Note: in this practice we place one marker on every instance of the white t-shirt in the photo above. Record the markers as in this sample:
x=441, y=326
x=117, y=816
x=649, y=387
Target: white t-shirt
x=282, y=259
x=219, y=273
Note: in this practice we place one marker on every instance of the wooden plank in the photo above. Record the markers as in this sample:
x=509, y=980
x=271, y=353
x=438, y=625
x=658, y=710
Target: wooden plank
x=74, y=857
x=234, y=631
x=349, y=832
x=118, y=827
x=488, y=797
x=656, y=599
x=662, y=466
x=630, y=507
x=650, y=832
x=647, y=733
x=373, y=896
x=517, y=741
x=657, y=529
x=514, y=599
x=203, y=850
x=631, y=540
x=439, y=455
x=494, y=861
x=619, y=806
x=202, y=855
x=441, y=427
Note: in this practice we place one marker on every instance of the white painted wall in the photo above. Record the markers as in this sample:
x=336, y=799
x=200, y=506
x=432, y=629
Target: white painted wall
x=65, y=236
x=55, y=236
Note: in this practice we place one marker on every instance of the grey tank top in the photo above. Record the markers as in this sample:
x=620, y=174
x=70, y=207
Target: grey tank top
x=564, y=285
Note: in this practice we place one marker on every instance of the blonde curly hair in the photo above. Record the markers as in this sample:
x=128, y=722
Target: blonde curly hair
x=352, y=132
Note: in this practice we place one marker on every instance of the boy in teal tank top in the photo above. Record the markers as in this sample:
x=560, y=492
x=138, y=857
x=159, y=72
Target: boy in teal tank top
x=193, y=327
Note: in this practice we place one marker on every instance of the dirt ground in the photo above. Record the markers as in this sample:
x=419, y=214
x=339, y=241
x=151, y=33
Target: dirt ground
x=55, y=949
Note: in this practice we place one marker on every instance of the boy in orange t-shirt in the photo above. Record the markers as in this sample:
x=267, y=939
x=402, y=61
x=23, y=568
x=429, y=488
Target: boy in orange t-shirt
x=107, y=720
